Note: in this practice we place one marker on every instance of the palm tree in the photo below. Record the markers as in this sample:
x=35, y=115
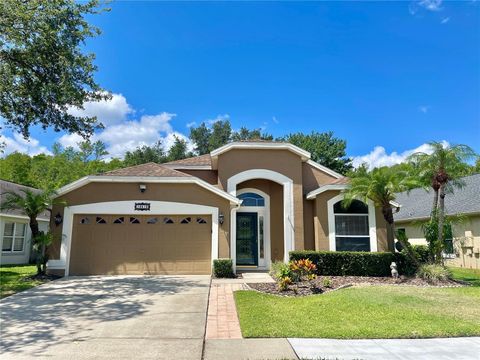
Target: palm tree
x=380, y=185
x=32, y=204
x=442, y=170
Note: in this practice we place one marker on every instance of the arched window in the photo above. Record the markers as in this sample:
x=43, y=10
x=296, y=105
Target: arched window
x=352, y=231
x=251, y=199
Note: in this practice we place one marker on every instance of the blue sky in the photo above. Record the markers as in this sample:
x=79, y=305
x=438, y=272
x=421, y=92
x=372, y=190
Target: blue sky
x=386, y=76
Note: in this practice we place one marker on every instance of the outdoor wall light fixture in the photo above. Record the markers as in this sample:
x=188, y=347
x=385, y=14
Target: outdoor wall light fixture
x=142, y=187
x=221, y=218
x=58, y=219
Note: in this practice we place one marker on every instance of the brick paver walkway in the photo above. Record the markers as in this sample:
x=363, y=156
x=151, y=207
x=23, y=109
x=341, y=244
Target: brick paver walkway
x=222, y=318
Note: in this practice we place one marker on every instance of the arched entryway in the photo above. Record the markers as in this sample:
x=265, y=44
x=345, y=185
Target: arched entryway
x=287, y=214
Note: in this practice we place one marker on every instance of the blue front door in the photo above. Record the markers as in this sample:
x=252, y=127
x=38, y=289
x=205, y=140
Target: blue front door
x=247, y=239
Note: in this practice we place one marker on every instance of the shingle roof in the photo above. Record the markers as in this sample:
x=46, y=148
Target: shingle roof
x=148, y=169
x=202, y=160
x=8, y=186
x=340, y=181
x=418, y=203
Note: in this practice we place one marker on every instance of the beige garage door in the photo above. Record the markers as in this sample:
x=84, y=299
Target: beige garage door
x=133, y=244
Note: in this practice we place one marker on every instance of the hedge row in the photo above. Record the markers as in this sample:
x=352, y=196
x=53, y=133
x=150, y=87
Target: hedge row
x=354, y=263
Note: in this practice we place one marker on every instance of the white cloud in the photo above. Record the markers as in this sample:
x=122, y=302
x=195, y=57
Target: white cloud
x=274, y=119
x=424, y=108
x=429, y=5
x=378, y=156
x=222, y=117
x=432, y=5
x=108, y=112
x=445, y=20
x=17, y=143
x=191, y=124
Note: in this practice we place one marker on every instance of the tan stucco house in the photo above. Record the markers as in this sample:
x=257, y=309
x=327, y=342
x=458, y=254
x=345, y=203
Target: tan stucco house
x=249, y=201
x=416, y=206
x=15, y=234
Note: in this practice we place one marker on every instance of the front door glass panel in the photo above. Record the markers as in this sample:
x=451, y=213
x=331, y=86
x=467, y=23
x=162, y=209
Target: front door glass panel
x=247, y=239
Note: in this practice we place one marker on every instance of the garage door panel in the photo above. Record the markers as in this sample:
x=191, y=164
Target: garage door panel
x=141, y=244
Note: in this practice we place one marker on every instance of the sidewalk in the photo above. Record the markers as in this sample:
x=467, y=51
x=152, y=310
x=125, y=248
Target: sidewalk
x=379, y=349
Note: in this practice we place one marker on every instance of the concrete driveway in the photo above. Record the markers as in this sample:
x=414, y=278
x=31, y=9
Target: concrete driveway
x=120, y=317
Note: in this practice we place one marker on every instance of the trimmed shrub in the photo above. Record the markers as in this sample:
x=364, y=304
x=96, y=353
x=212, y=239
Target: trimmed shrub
x=422, y=253
x=353, y=263
x=433, y=273
x=223, y=268
x=279, y=270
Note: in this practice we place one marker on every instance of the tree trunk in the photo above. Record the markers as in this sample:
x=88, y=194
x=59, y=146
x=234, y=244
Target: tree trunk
x=35, y=232
x=441, y=221
x=388, y=216
x=435, y=200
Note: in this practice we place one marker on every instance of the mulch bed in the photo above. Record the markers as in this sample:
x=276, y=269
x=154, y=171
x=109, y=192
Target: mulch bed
x=43, y=278
x=339, y=282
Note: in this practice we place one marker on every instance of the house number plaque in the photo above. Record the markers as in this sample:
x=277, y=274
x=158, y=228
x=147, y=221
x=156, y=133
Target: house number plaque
x=142, y=206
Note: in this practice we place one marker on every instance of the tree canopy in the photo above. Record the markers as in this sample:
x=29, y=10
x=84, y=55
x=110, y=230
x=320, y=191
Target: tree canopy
x=324, y=148
x=43, y=68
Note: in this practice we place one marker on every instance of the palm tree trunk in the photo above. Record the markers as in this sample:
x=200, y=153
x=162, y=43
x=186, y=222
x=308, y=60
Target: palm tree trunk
x=35, y=232
x=388, y=216
x=441, y=221
x=435, y=200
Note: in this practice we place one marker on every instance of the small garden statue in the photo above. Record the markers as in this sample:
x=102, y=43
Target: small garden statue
x=393, y=267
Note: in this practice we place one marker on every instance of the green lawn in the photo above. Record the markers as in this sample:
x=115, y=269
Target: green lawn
x=364, y=312
x=469, y=275
x=12, y=279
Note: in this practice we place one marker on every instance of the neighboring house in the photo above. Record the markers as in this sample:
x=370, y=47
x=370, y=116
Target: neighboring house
x=249, y=201
x=465, y=243
x=15, y=230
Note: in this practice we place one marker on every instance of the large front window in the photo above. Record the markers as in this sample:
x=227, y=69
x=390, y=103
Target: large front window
x=352, y=231
x=14, y=237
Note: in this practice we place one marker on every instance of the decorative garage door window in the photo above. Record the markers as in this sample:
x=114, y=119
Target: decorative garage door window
x=119, y=220
x=251, y=199
x=352, y=232
x=100, y=220
x=186, y=220
x=14, y=237
x=134, y=220
x=167, y=220
x=152, y=220
x=85, y=221
x=201, y=220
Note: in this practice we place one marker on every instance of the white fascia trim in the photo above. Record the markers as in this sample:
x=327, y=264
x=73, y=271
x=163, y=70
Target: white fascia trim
x=305, y=155
x=188, y=167
x=21, y=217
x=146, y=179
x=324, y=169
x=395, y=204
x=128, y=208
x=372, y=223
x=313, y=194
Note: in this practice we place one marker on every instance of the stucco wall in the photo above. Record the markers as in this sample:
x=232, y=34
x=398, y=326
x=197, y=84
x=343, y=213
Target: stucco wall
x=281, y=161
x=184, y=193
x=466, y=236
x=210, y=176
x=313, y=178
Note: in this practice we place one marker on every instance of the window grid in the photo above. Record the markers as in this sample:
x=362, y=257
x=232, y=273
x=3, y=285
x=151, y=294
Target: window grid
x=14, y=237
x=352, y=229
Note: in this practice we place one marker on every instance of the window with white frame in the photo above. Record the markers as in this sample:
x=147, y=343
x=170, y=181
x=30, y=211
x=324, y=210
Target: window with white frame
x=14, y=237
x=352, y=231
